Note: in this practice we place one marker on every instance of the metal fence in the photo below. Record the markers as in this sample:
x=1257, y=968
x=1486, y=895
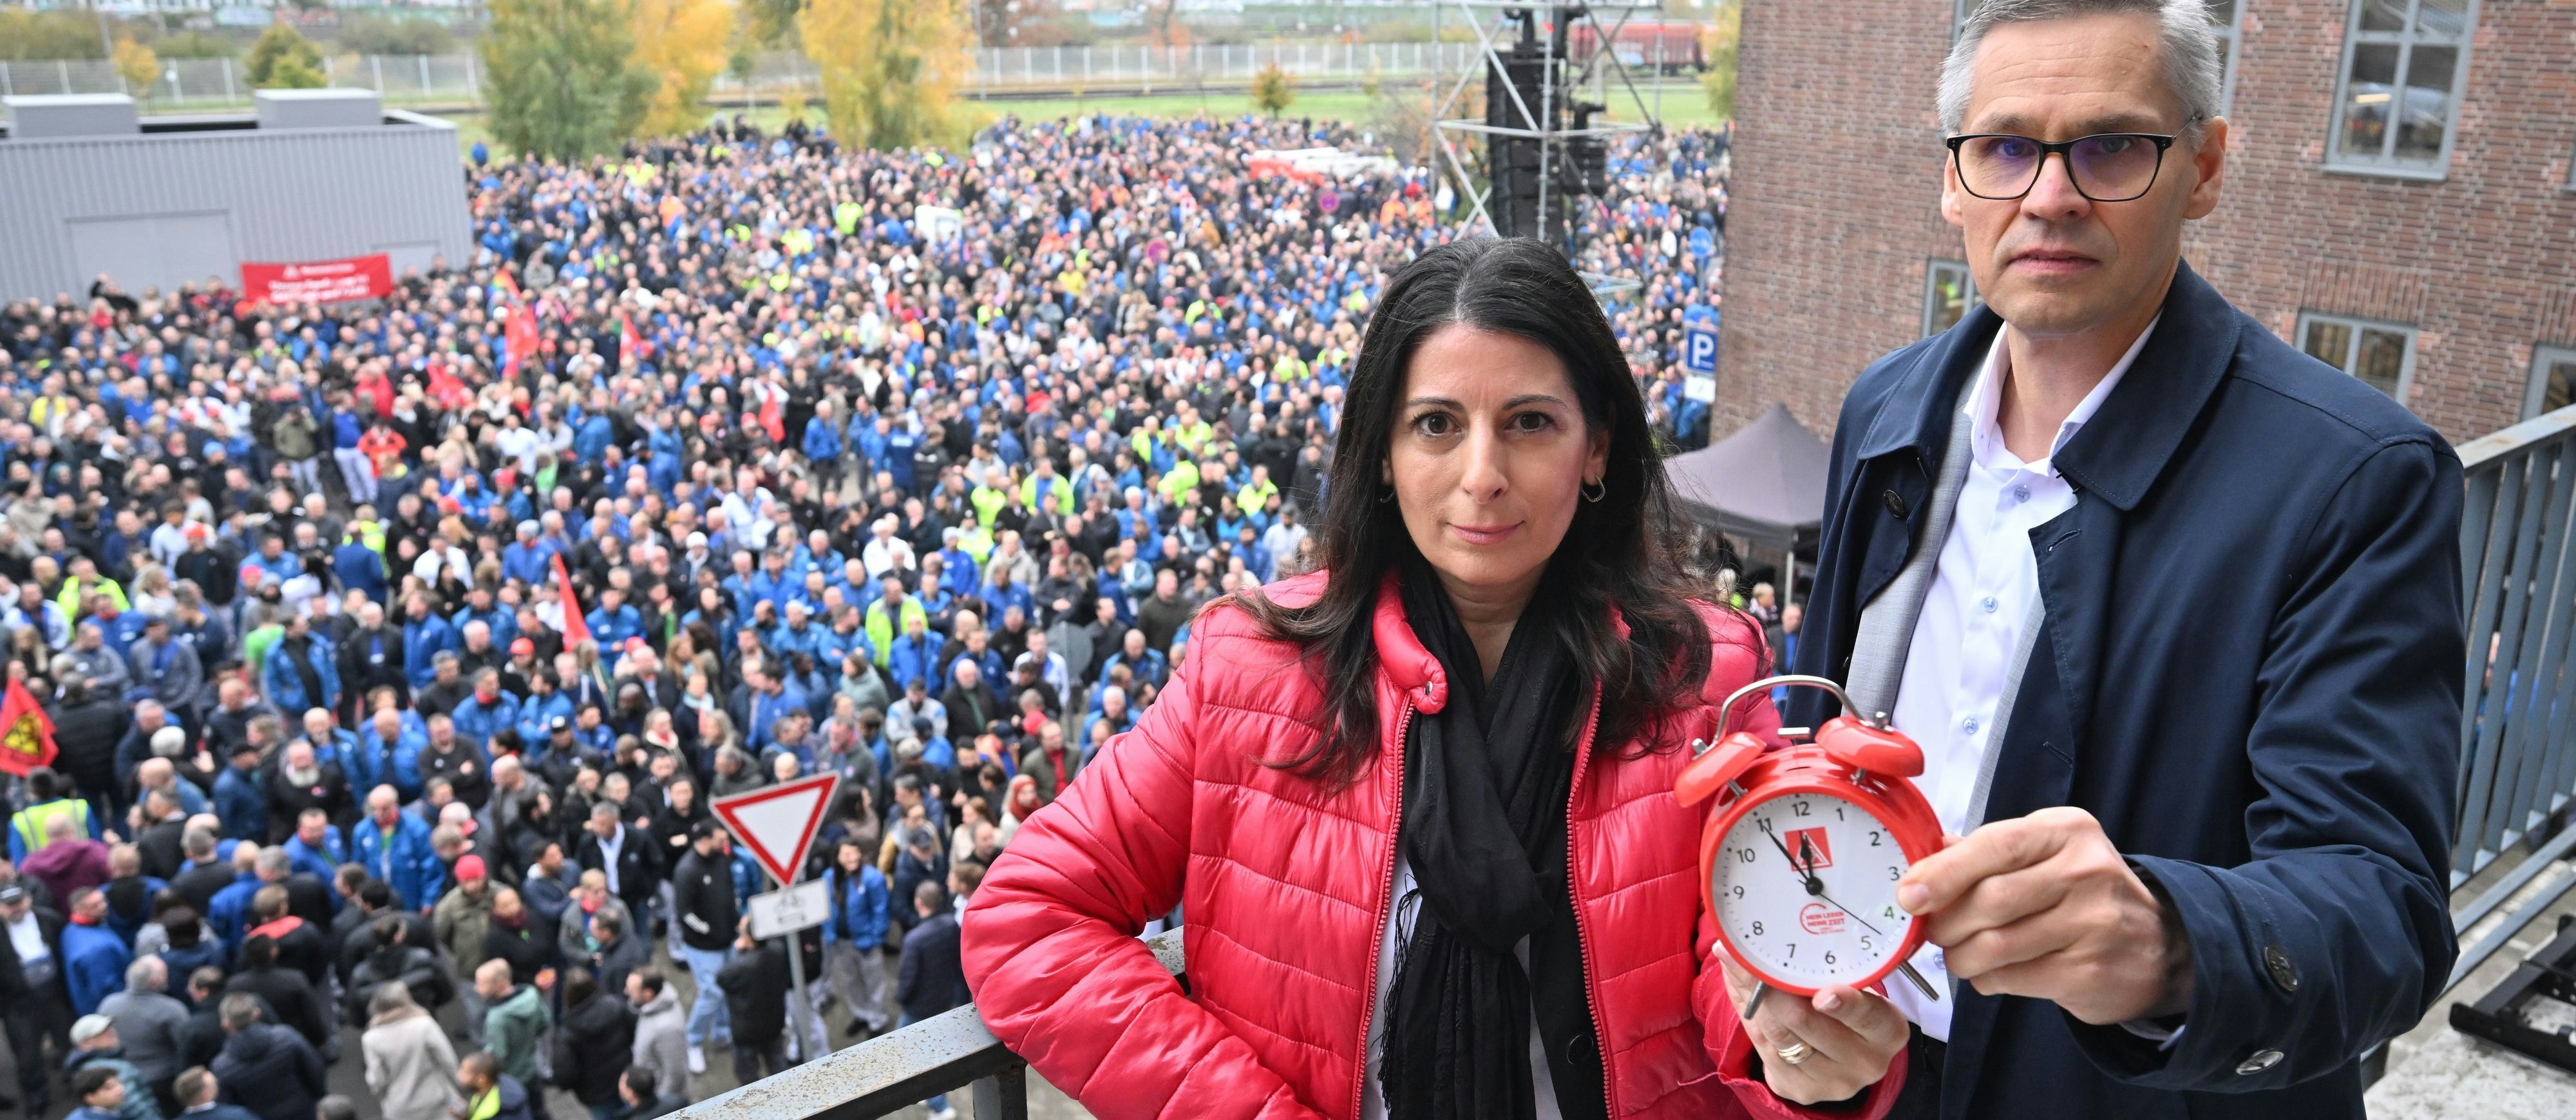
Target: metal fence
x=885, y=1074
x=203, y=83
x=455, y=79
x=1145, y=66
x=2517, y=764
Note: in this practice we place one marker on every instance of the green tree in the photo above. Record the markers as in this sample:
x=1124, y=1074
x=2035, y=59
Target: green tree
x=379, y=35
x=556, y=76
x=767, y=22
x=890, y=69
x=194, y=44
x=1273, y=90
x=284, y=59
x=1719, y=43
x=48, y=35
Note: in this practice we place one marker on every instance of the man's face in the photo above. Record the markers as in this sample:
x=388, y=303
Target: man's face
x=384, y=809
x=2053, y=262
x=312, y=832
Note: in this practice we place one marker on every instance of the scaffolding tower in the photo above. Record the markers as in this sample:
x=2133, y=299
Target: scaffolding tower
x=1549, y=74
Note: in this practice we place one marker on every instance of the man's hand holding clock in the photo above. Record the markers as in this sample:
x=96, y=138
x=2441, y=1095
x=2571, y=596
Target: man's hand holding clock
x=2043, y=906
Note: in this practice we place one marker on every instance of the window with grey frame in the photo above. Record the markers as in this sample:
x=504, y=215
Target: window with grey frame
x=1949, y=293
x=2226, y=17
x=2553, y=380
x=2397, y=94
x=2380, y=354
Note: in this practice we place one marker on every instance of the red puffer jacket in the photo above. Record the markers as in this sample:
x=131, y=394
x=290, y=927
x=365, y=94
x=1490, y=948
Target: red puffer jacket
x=1284, y=885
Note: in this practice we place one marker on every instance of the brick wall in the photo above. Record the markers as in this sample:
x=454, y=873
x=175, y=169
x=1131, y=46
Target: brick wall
x=1836, y=185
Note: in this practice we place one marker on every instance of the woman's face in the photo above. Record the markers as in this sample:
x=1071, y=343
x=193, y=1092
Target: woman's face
x=1488, y=458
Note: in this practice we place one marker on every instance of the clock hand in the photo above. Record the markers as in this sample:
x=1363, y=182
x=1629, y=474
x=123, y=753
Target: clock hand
x=1855, y=915
x=1814, y=885
x=1906, y=967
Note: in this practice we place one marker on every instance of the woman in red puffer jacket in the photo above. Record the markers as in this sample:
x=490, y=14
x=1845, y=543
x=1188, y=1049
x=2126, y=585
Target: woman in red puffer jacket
x=1416, y=808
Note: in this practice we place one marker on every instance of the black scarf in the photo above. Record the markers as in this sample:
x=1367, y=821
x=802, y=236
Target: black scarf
x=1486, y=781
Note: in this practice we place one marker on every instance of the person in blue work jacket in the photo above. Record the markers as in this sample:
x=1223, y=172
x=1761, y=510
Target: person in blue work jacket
x=545, y=703
x=241, y=799
x=823, y=442
x=360, y=567
x=389, y=751
x=394, y=846
x=854, y=936
x=94, y=958
x=424, y=635
x=316, y=848
x=531, y=558
x=300, y=672
x=612, y=621
x=488, y=709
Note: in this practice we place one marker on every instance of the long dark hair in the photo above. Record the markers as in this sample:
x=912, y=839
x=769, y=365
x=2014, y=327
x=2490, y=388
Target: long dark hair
x=1614, y=553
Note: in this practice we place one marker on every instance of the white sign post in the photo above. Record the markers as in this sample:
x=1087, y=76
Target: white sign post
x=778, y=823
x=793, y=910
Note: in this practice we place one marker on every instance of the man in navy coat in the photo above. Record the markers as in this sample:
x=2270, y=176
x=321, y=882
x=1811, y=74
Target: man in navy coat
x=2174, y=611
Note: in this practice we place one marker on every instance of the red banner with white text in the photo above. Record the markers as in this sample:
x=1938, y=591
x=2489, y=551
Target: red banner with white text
x=367, y=277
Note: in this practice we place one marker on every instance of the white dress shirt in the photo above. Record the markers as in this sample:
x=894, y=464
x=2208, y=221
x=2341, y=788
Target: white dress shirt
x=1981, y=598
x=609, y=850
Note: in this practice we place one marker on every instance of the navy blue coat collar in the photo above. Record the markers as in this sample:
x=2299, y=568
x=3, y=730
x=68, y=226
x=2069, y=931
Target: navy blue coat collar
x=2118, y=456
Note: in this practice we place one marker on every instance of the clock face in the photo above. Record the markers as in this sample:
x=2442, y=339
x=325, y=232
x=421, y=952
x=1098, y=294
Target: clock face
x=1805, y=886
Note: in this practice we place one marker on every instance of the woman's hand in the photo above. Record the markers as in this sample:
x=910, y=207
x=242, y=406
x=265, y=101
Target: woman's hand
x=1850, y=1036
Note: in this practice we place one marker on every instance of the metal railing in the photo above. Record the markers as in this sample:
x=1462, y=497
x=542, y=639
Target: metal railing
x=2517, y=777
x=893, y=1071
x=2517, y=748
x=456, y=79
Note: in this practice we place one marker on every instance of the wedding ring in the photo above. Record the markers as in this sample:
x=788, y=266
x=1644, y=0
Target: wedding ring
x=1794, y=1053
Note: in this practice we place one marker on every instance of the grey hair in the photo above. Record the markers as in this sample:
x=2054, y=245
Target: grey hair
x=2190, y=49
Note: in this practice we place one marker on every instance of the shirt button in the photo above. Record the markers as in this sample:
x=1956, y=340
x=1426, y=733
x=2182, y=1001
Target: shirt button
x=1969, y=725
x=2021, y=493
x=2262, y=1060
x=1989, y=604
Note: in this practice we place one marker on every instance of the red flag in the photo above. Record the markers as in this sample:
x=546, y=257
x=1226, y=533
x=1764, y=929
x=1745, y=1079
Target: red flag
x=26, y=732
x=631, y=346
x=519, y=336
x=576, y=629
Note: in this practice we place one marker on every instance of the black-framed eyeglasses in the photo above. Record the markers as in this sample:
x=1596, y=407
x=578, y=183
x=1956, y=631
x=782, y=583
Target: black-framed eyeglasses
x=2105, y=167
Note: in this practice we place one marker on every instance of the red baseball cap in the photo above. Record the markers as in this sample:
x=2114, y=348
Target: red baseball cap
x=470, y=867
x=522, y=645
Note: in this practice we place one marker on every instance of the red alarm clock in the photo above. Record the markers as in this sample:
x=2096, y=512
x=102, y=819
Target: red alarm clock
x=1800, y=857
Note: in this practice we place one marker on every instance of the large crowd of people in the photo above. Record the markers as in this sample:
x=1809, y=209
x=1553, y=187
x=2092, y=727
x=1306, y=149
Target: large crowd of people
x=391, y=652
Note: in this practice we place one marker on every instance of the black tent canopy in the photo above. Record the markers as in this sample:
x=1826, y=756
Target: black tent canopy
x=1764, y=485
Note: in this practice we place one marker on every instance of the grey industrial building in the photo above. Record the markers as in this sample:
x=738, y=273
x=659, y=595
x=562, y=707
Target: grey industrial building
x=154, y=202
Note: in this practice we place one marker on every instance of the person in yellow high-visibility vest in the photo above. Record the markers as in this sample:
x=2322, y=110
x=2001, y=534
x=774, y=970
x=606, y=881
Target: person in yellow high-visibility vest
x=85, y=582
x=49, y=797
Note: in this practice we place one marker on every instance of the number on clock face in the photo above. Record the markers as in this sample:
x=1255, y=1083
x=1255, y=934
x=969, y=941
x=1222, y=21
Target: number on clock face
x=1806, y=889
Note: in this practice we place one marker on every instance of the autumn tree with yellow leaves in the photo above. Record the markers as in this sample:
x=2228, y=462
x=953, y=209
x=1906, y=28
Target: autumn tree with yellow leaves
x=684, y=43
x=890, y=69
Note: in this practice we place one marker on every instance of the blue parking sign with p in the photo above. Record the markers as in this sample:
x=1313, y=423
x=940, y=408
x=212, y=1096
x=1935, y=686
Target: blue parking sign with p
x=1699, y=349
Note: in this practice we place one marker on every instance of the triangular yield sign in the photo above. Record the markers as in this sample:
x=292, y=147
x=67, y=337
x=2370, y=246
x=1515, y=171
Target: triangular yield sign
x=778, y=822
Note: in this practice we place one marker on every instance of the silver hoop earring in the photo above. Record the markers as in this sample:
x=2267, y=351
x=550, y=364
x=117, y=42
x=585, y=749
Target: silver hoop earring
x=1595, y=491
